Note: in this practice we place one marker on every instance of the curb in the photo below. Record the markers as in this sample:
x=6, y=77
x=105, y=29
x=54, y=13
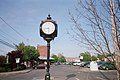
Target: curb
x=16, y=72
x=107, y=70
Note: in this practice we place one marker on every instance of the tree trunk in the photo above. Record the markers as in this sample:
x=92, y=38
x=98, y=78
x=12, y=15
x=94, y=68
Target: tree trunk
x=115, y=39
x=118, y=74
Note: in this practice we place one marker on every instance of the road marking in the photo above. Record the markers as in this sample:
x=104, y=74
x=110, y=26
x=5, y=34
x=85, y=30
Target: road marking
x=73, y=78
x=79, y=72
x=101, y=78
x=36, y=78
x=77, y=79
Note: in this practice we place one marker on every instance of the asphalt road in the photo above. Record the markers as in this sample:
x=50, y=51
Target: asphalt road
x=63, y=72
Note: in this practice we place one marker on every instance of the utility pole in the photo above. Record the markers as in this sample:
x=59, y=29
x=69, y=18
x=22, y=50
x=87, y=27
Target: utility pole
x=115, y=38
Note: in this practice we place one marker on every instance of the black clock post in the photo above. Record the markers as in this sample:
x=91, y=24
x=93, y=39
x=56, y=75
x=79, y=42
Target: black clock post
x=48, y=30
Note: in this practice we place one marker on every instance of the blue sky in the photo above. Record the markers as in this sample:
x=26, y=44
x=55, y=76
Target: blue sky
x=25, y=17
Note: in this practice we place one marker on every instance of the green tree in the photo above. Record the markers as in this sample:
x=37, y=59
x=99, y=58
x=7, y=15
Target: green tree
x=93, y=58
x=20, y=47
x=61, y=57
x=86, y=56
x=55, y=57
x=12, y=57
x=29, y=52
x=101, y=57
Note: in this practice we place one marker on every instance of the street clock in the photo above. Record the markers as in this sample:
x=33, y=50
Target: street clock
x=48, y=29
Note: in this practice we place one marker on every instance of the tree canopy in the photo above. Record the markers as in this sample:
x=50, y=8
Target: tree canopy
x=86, y=56
x=59, y=58
x=29, y=52
x=55, y=57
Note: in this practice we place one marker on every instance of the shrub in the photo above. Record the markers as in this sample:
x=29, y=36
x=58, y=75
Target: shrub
x=5, y=67
x=19, y=67
x=8, y=67
x=22, y=66
x=2, y=69
x=16, y=69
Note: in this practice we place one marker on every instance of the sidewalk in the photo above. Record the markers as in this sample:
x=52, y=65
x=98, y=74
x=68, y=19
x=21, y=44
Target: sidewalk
x=16, y=72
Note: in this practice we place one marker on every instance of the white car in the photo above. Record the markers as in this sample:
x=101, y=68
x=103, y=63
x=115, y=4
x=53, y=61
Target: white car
x=76, y=63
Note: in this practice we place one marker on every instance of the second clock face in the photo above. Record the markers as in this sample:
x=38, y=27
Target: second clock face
x=48, y=27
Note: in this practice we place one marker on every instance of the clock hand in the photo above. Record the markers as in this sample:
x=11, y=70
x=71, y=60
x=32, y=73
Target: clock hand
x=47, y=29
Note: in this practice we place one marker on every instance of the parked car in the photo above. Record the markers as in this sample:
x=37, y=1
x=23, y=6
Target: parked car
x=40, y=66
x=76, y=63
x=57, y=63
x=99, y=63
x=87, y=65
x=83, y=64
x=69, y=63
x=107, y=66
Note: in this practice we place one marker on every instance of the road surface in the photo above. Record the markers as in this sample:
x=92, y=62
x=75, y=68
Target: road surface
x=63, y=72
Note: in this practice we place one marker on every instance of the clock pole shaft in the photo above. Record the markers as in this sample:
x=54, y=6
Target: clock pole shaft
x=47, y=76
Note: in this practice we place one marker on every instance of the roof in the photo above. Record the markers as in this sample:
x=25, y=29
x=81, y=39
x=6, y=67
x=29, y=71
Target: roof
x=43, y=58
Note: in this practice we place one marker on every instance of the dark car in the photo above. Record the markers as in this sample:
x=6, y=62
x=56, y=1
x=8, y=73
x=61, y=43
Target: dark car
x=100, y=63
x=107, y=66
x=57, y=63
x=87, y=65
x=83, y=64
x=40, y=66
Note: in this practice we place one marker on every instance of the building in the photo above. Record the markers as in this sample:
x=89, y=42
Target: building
x=42, y=49
x=68, y=59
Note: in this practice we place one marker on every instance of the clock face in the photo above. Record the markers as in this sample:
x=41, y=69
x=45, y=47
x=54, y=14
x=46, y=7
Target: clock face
x=48, y=27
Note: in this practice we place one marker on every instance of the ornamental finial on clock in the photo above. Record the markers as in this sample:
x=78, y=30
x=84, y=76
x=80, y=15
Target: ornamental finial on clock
x=49, y=17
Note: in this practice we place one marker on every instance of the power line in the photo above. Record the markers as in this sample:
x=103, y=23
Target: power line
x=6, y=38
x=12, y=28
x=7, y=44
x=8, y=35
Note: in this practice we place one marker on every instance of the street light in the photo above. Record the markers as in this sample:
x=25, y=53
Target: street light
x=48, y=30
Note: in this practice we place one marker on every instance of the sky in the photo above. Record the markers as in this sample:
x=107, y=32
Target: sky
x=25, y=16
